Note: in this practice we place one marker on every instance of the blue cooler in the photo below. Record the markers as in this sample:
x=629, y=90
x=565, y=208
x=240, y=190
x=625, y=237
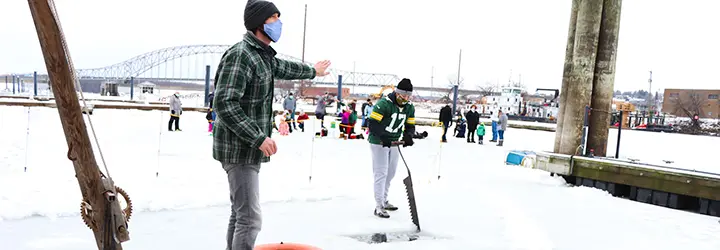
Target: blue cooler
x=516, y=157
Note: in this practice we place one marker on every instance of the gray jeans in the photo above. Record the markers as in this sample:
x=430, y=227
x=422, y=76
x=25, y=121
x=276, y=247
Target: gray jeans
x=384, y=161
x=245, y=215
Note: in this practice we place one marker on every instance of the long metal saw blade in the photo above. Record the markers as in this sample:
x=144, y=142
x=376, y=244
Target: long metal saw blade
x=410, y=193
x=411, y=200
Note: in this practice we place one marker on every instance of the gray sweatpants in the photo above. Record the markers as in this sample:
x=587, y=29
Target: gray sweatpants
x=384, y=161
x=245, y=216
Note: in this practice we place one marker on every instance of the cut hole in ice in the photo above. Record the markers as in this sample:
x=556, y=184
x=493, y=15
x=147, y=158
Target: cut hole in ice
x=385, y=237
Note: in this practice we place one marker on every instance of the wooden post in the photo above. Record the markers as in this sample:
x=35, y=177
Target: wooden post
x=569, y=47
x=604, y=77
x=579, y=88
x=80, y=151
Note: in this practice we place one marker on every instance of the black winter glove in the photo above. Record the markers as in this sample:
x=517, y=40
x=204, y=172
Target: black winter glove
x=172, y=112
x=180, y=112
x=408, y=141
x=408, y=135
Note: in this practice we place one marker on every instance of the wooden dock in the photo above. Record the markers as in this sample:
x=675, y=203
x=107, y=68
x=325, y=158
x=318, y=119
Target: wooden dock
x=676, y=188
x=139, y=105
x=45, y=98
x=98, y=104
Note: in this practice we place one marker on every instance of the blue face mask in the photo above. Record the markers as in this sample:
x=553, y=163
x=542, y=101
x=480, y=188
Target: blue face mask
x=273, y=30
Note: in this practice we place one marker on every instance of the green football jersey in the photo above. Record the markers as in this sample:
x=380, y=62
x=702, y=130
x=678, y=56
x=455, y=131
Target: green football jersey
x=392, y=117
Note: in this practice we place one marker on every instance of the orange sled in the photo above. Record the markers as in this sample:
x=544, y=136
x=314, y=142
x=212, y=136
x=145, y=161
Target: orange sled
x=285, y=246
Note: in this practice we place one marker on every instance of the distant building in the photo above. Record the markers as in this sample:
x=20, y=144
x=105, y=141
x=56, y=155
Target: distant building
x=705, y=102
x=316, y=91
x=641, y=104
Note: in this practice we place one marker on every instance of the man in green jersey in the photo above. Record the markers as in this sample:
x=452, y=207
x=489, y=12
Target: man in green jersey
x=390, y=115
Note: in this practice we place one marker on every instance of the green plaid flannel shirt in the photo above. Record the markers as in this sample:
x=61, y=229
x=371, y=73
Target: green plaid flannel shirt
x=244, y=86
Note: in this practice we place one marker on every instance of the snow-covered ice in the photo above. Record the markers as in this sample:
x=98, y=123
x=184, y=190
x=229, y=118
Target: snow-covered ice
x=479, y=203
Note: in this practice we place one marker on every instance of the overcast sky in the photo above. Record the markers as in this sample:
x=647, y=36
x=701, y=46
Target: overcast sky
x=677, y=40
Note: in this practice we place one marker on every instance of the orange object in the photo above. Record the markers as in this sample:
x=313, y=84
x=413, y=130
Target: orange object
x=285, y=246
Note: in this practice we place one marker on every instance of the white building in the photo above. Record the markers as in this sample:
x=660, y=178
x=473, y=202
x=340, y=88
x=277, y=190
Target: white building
x=509, y=101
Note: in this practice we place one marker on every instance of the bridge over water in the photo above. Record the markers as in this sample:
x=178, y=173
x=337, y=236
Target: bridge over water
x=185, y=67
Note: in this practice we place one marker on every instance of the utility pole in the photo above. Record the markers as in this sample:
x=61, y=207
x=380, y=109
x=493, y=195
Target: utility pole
x=302, y=82
x=105, y=217
x=432, y=76
x=456, y=88
x=651, y=104
x=304, y=32
x=353, y=77
x=458, y=74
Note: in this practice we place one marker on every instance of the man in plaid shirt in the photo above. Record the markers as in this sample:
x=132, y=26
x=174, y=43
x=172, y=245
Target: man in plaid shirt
x=244, y=85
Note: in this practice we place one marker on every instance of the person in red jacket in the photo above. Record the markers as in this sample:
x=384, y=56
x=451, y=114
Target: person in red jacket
x=302, y=117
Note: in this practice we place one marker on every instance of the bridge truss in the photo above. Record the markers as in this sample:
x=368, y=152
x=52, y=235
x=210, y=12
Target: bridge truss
x=140, y=64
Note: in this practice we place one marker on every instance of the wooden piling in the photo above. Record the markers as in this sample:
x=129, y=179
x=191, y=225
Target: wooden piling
x=566, y=72
x=604, y=78
x=579, y=87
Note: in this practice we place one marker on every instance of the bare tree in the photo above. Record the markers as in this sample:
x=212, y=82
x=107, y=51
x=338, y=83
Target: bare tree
x=303, y=88
x=446, y=99
x=690, y=107
x=487, y=89
x=284, y=87
x=453, y=80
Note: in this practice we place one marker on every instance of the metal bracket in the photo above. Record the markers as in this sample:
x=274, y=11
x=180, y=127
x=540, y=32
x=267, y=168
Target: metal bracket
x=119, y=225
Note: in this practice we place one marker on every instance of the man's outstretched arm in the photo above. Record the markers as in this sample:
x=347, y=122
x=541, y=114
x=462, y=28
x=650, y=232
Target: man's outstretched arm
x=289, y=70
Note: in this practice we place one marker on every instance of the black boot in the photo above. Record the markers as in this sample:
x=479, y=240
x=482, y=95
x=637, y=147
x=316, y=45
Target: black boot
x=177, y=123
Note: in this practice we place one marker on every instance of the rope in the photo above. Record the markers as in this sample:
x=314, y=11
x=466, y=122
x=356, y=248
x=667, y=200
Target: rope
x=108, y=215
x=27, y=140
x=157, y=168
x=440, y=154
x=73, y=73
x=109, y=237
x=346, y=126
x=312, y=152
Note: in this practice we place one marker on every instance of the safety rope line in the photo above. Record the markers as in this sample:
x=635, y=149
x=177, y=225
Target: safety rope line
x=157, y=168
x=439, y=155
x=73, y=73
x=312, y=153
x=27, y=140
x=298, y=121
